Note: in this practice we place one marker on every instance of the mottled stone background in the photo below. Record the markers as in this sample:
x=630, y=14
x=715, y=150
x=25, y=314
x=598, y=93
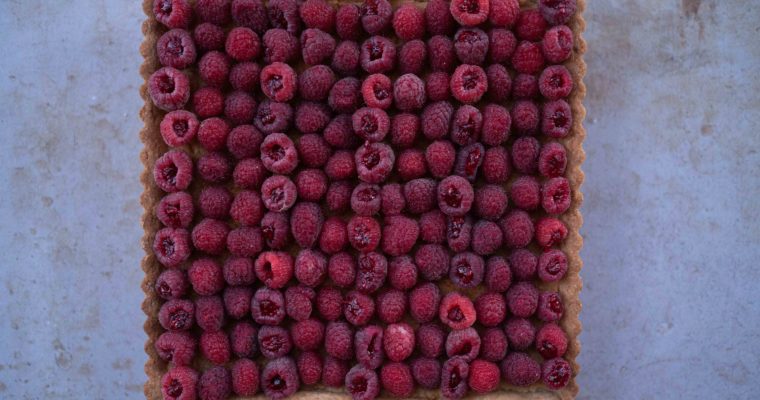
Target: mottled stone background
x=671, y=305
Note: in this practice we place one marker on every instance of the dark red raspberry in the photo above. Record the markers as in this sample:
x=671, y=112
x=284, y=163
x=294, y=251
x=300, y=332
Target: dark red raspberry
x=504, y=12
x=340, y=134
x=243, y=339
x=348, y=24
x=436, y=119
x=523, y=264
x=398, y=341
x=466, y=126
x=278, y=81
x=430, y=340
x=307, y=334
x=471, y=45
x=368, y=345
x=249, y=173
x=242, y=44
x=530, y=25
x=278, y=193
x=557, y=45
x=177, y=315
x=438, y=18
x=278, y=153
x=309, y=367
x=239, y=271
x=520, y=370
x=177, y=348
x=362, y=383
x=555, y=195
x=330, y=303
x=176, y=49
x=552, y=265
x=466, y=270
x=520, y=333
x=273, y=117
x=179, y=128
x=522, y=299
x=315, y=82
x=490, y=202
x=402, y=273
x=209, y=313
x=312, y=117
x=347, y=57
x=247, y=209
x=397, y=379
x=372, y=268
x=441, y=53
x=371, y=124
x=552, y=160
x=499, y=83
x=409, y=92
x=310, y=267
x=279, y=379
x=268, y=306
x=377, y=92
x=484, y=376
x=392, y=199
x=215, y=347
x=557, y=12
x=345, y=95
x=498, y=275
x=493, y=344
x=468, y=83
x=237, y=301
x=333, y=237
x=299, y=302
x=412, y=57
x=318, y=14
x=556, y=373
x=206, y=276
x=313, y=151
x=525, y=152
x=172, y=246
x=208, y=36
x=420, y=195
x=213, y=11
x=251, y=14
x=391, y=306
x=470, y=12
x=376, y=15
x=454, y=374
x=358, y=308
x=437, y=86
x=245, y=377
x=283, y=14
x=432, y=261
x=464, y=343
x=496, y=165
x=212, y=134
x=433, y=227
x=527, y=58
x=525, y=87
x=457, y=311
x=244, y=141
x=365, y=199
x=378, y=54
x=334, y=372
x=555, y=82
x=496, y=125
x=175, y=210
x=455, y=196
x=316, y=46
x=409, y=22
x=556, y=119
x=424, y=301
x=551, y=341
x=374, y=162
x=458, y=233
x=426, y=372
x=280, y=46
x=214, y=68
x=210, y=236
x=214, y=167
x=169, y=89
x=469, y=160
x=440, y=156
x=525, y=193
x=274, y=268
x=549, y=232
x=363, y=233
x=338, y=196
x=311, y=184
x=171, y=284
x=411, y=164
x=339, y=340
x=179, y=383
x=173, y=14
x=239, y=107
x=491, y=308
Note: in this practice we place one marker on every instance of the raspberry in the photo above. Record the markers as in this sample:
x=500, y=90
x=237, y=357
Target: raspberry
x=210, y=236
x=374, y=162
x=339, y=340
x=348, y=22
x=214, y=68
x=552, y=265
x=412, y=57
x=171, y=284
x=491, y=308
x=339, y=133
x=309, y=367
x=362, y=383
x=278, y=153
x=242, y=44
x=215, y=347
x=365, y=199
x=371, y=124
x=457, y=311
x=244, y=141
x=468, y=83
x=209, y=313
x=278, y=193
x=438, y=18
x=278, y=81
x=268, y=306
x=522, y=299
x=526, y=87
x=247, y=209
x=310, y=267
x=239, y=107
x=426, y=372
x=208, y=102
x=283, y=14
x=466, y=270
x=279, y=379
x=409, y=92
x=484, y=376
x=436, y=119
x=316, y=46
x=550, y=232
x=378, y=54
x=376, y=91
x=433, y=227
x=441, y=52
x=468, y=161
x=466, y=126
x=169, y=89
x=551, y=341
x=557, y=45
x=273, y=117
x=499, y=83
x=274, y=268
x=279, y=46
x=496, y=125
x=330, y=303
x=249, y=173
x=440, y=156
x=299, y=302
x=345, y=95
x=318, y=14
x=471, y=45
x=454, y=374
x=397, y=379
x=315, y=82
x=520, y=333
x=392, y=199
x=243, y=339
x=376, y=15
x=176, y=49
x=307, y=334
x=555, y=82
x=206, y=276
x=525, y=151
x=334, y=372
x=424, y=301
x=504, y=12
x=212, y=133
x=523, y=264
x=177, y=315
x=372, y=268
x=179, y=384
x=311, y=184
x=214, y=167
x=437, y=86
x=391, y=306
x=557, y=12
x=368, y=345
x=502, y=45
x=176, y=347
x=208, y=36
x=359, y=308
x=557, y=119
x=527, y=58
x=173, y=14
x=409, y=22
x=245, y=377
x=498, y=275
x=398, y=341
x=347, y=57
x=237, y=301
x=552, y=160
x=333, y=238
x=420, y=195
x=530, y=25
x=213, y=11
x=411, y=164
x=490, y=202
x=470, y=12
x=312, y=117
x=463, y=343
x=556, y=195
x=493, y=344
x=430, y=340
x=525, y=193
x=496, y=165
x=455, y=196
x=363, y=233
x=251, y=14
x=520, y=370
x=556, y=373
x=432, y=261
x=458, y=233
x=171, y=246
x=338, y=196
x=313, y=150
x=402, y=273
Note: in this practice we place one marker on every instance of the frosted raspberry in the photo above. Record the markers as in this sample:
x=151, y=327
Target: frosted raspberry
x=378, y=55
x=525, y=151
x=426, y=372
x=430, y=340
x=374, y=162
x=527, y=58
x=307, y=334
x=278, y=81
x=244, y=141
x=358, y=308
x=377, y=91
x=466, y=270
x=555, y=82
x=345, y=95
x=347, y=57
x=468, y=83
x=312, y=117
x=341, y=165
x=316, y=46
x=411, y=164
x=466, y=125
x=550, y=231
x=310, y=267
x=215, y=347
x=397, y=379
x=214, y=167
x=274, y=268
x=458, y=233
x=520, y=333
x=520, y=370
x=368, y=345
x=502, y=45
x=437, y=86
x=339, y=340
x=556, y=373
x=556, y=119
x=179, y=384
x=484, y=376
x=249, y=173
x=433, y=227
x=517, y=228
x=315, y=82
x=525, y=193
x=409, y=22
x=268, y=306
x=273, y=117
x=278, y=193
x=318, y=14
x=243, y=339
x=210, y=236
x=552, y=160
x=471, y=45
x=208, y=36
x=212, y=133
x=551, y=341
x=440, y=156
x=176, y=49
x=239, y=271
x=311, y=184
x=555, y=195
x=278, y=153
x=313, y=151
x=299, y=302
x=486, y=237
x=177, y=315
x=376, y=15
x=283, y=14
x=209, y=313
x=214, y=68
x=436, y=119
x=279, y=379
x=306, y=220
x=280, y=46
x=441, y=53
x=491, y=308
x=457, y=311
x=365, y=199
x=245, y=242
x=398, y=341
x=455, y=196
x=490, y=202
x=173, y=14
x=338, y=196
x=530, y=25
x=309, y=367
x=372, y=268
x=208, y=102
x=432, y=261
x=493, y=344
x=237, y=301
x=469, y=160
x=399, y=235
x=333, y=237
x=499, y=83
x=523, y=264
x=391, y=306
x=438, y=18
x=496, y=125
x=175, y=210
x=239, y=107
x=454, y=374
x=213, y=11
x=470, y=12
x=504, y=13
x=409, y=92
x=463, y=343
x=363, y=233
x=498, y=274
x=206, y=276
x=552, y=265
x=412, y=57
x=251, y=14
x=424, y=301
x=348, y=24
x=334, y=372
x=339, y=133
x=557, y=12
x=362, y=383
x=496, y=165
x=522, y=299
x=550, y=308
x=169, y=89
x=371, y=124
x=177, y=348
x=557, y=45
x=402, y=273
x=420, y=195
x=392, y=199
x=245, y=377
x=242, y=44
x=171, y=284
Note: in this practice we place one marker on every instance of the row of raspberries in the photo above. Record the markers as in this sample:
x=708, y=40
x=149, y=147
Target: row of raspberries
x=333, y=171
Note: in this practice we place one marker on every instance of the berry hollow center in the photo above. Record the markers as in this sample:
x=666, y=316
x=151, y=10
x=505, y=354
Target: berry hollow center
x=165, y=84
x=371, y=346
x=167, y=247
x=367, y=194
x=469, y=37
x=452, y=197
x=455, y=227
x=274, y=84
x=361, y=236
x=276, y=152
x=179, y=319
x=268, y=308
x=470, y=80
x=175, y=47
x=559, y=119
x=371, y=158
x=369, y=124
x=555, y=305
x=268, y=231
x=547, y=350
x=358, y=385
x=170, y=173
x=472, y=162
x=455, y=314
x=464, y=272
x=273, y=343
x=164, y=289
x=559, y=375
x=277, y=383
x=181, y=126
x=469, y=6
x=174, y=389
x=464, y=349
x=369, y=7
x=380, y=92
x=375, y=50
x=455, y=378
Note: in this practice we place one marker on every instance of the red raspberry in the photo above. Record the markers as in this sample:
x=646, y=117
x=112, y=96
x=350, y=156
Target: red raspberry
x=215, y=347
x=239, y=107
x=213, y=11
x=247, y=209
x=214, y=167
x=268, y=306
x=464, y=343
x=345, y=95
x=242, y=44
x=177, y=315
x=309, y=367
x=210, y=236
x=523, y=264
x=491, y=308
x=377, y=92
x=455, y=196
x=520, y=333
x=311, y=184
x=315, y=82
x=278, y=81
x=412, y=57
x=498, y=275
x=209, y=313
x=177, y=348
x=522, y=299
x=239, y=271
x=316, y=46
x=244, y=141
x=376, y=15
x=299, y=302
x=557, y=12
x=283, y=14
x=525, y=152
x=438, y=18
x=496, y=125
x=411, y=164
x=208, y=36
x=312, y=117
x=173, y=14
x=278, y=193
x=237, y=301
x=490, y=202
x=206, y=276
x=363, y=233
x=306, y=223
x=468, y=83
x=340, y=134
x=371, y=124
x=333, y=237
x=493, y=344
x=556, y=195
x=525, y=193
x=457, y=311
x=273, y=117
x=274, y=268
x=458, y=233
x=362, y=383
x=556, y=373
x=334, y=372
x=436, y=119
x=468, y=161
x=454, y=374
x=437, y=86
x=279, y=379
x=552, y=160
x=552, y=265
x=499, y=83
x=433, y=227
x=338, y=196
x=310, y=267
x=551, y=341
x=365, y=199
x=484, y=376
x=397, y=379
x=466, y=270
x=526, y=87
x=520, y=370
x=470, y=12
x=378, y=55
x=372, y=268
x=171, y=246
x=171, y=284
x=347, y=57
x=555, y=82
x=530, y=25
x=374, y=162
x=432, y=261
x=178, y=128
x=339, y=340
x=330, y=303
x=496, y=165
x=471, y=45
x=278, y=153
x=440, y=156
x=402, y=273
x=420, y=195
x=307, y=334
x=368, y=344
x=169, y=89
x=409, y=22
x=313, y=150
x=245, y=377
x=279, y=46
x=557, y=119
x=251, y=14
x=557, y=45
x=358, y=308
x=398, y=341
x=212, y=134
x=243, y=339
x=214, y=68
x=179, y=383
x=426, y=372
x=527, y=58
x=424, y=301
x=391, y=306
x=249, y=173
x=176, y=49
x=504, y=12
x=318, y=14
x=550, y=231
x=466, y=126
x=409, y=92
x=430, y=340
x=348, y=22
x=442, y=54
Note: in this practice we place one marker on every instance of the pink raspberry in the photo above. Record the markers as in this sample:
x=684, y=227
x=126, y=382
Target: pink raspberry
x=311, y=184
x=348, y=22
x=251, y=14
x=242, y=44
x=362, y=383
x=268, y=306
x=455, y=196
x=214, y=68
x=438, y=18
x=212, y=134
x=552, y=160
x=402, y=273
x=471, y=45
x=458, y=233
x=173, y=14
x=169, y=89
x=424, y=301
x=339, y=133
x=313, y=150
x=299, y=302
x=237, y=301
x=279, y=46
x=177, y=315
x=338, y=196
x=409, y=22
x=491, y=308
x=392, y=199
x=274, y=268
x=341, y=165
x=420, y=195
x=523, y=264
x=557, y=12
x=179, y=383
x=374, y=162
x=309, y=367
x=363, y=233
x=469, y=160
x=243, y=339
x=552, y=265
x=430, y=340
x=498, y=274
x=391, y=306
x=527, y=58
x=404, y=129
x=306, y=220
x=454, y=374
x=520, y=370
x=239, y=271
x=436, y=119
x=525, y=151
x=210, y=236
x=208, y=36
x=557, y=45
x=555, y=82
x=273, y=117
x=278, y=81
x=409, y=92
x=312, y=117
x=372, y=268
x=378, y=54
x=466, y=270
x=171, y=246
x=318, y=14
x=371, y=124
x=525, y=193
x=433, y=227
x=377, y=91
x=550, y=231
x=330, y=303
x=239, y=107
x=463, y=343
x=411, y=164
x=502, y=45
x=412, y=57
x=214, y=167
x=177, y=348
x=555, y=195
x=440, y=156
x=398, y=341
x=206, y=276
x=522, y=299
x=551, y=341
x=368, y=345
x=278, y=193
x=496, y=165
x=209, y=313
x=249, y=173
x=520, y=332
x=426, y=372
x=499, y=83
x=339, y=340
x=468, y=83
x=333, y=238
x=215, y=347
x=493, y=344
x=171, y=284
x=278, y=153
x=437, y=86
x=466, y=125
x=486, y=237
x=556, y=373
x=556, y=119
x=526, y=87
x=530, y=25
x=176, y=49
x=334, y=372
x=457, y=311
x=279, y=379
x=397, y=379
x=310, y=267
x=496, y=125
x=365, y=199
x=376, y=15
x=490, y=202
x=244, y=141
x=485, y=376
x=470, y=12
x=245, y=377
x=315, y=82
x=504, y=12
x=347, y=57
x=213, y=11
x=441, y=53
x=432, y=261
x=247, y=209
x=316, y=46
x=345, y=95
x=358, y=308
x=208, y=102
x=307, y=334
x=283, y=14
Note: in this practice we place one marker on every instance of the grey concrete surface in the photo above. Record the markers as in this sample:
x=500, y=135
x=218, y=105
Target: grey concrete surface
x=672, y=200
